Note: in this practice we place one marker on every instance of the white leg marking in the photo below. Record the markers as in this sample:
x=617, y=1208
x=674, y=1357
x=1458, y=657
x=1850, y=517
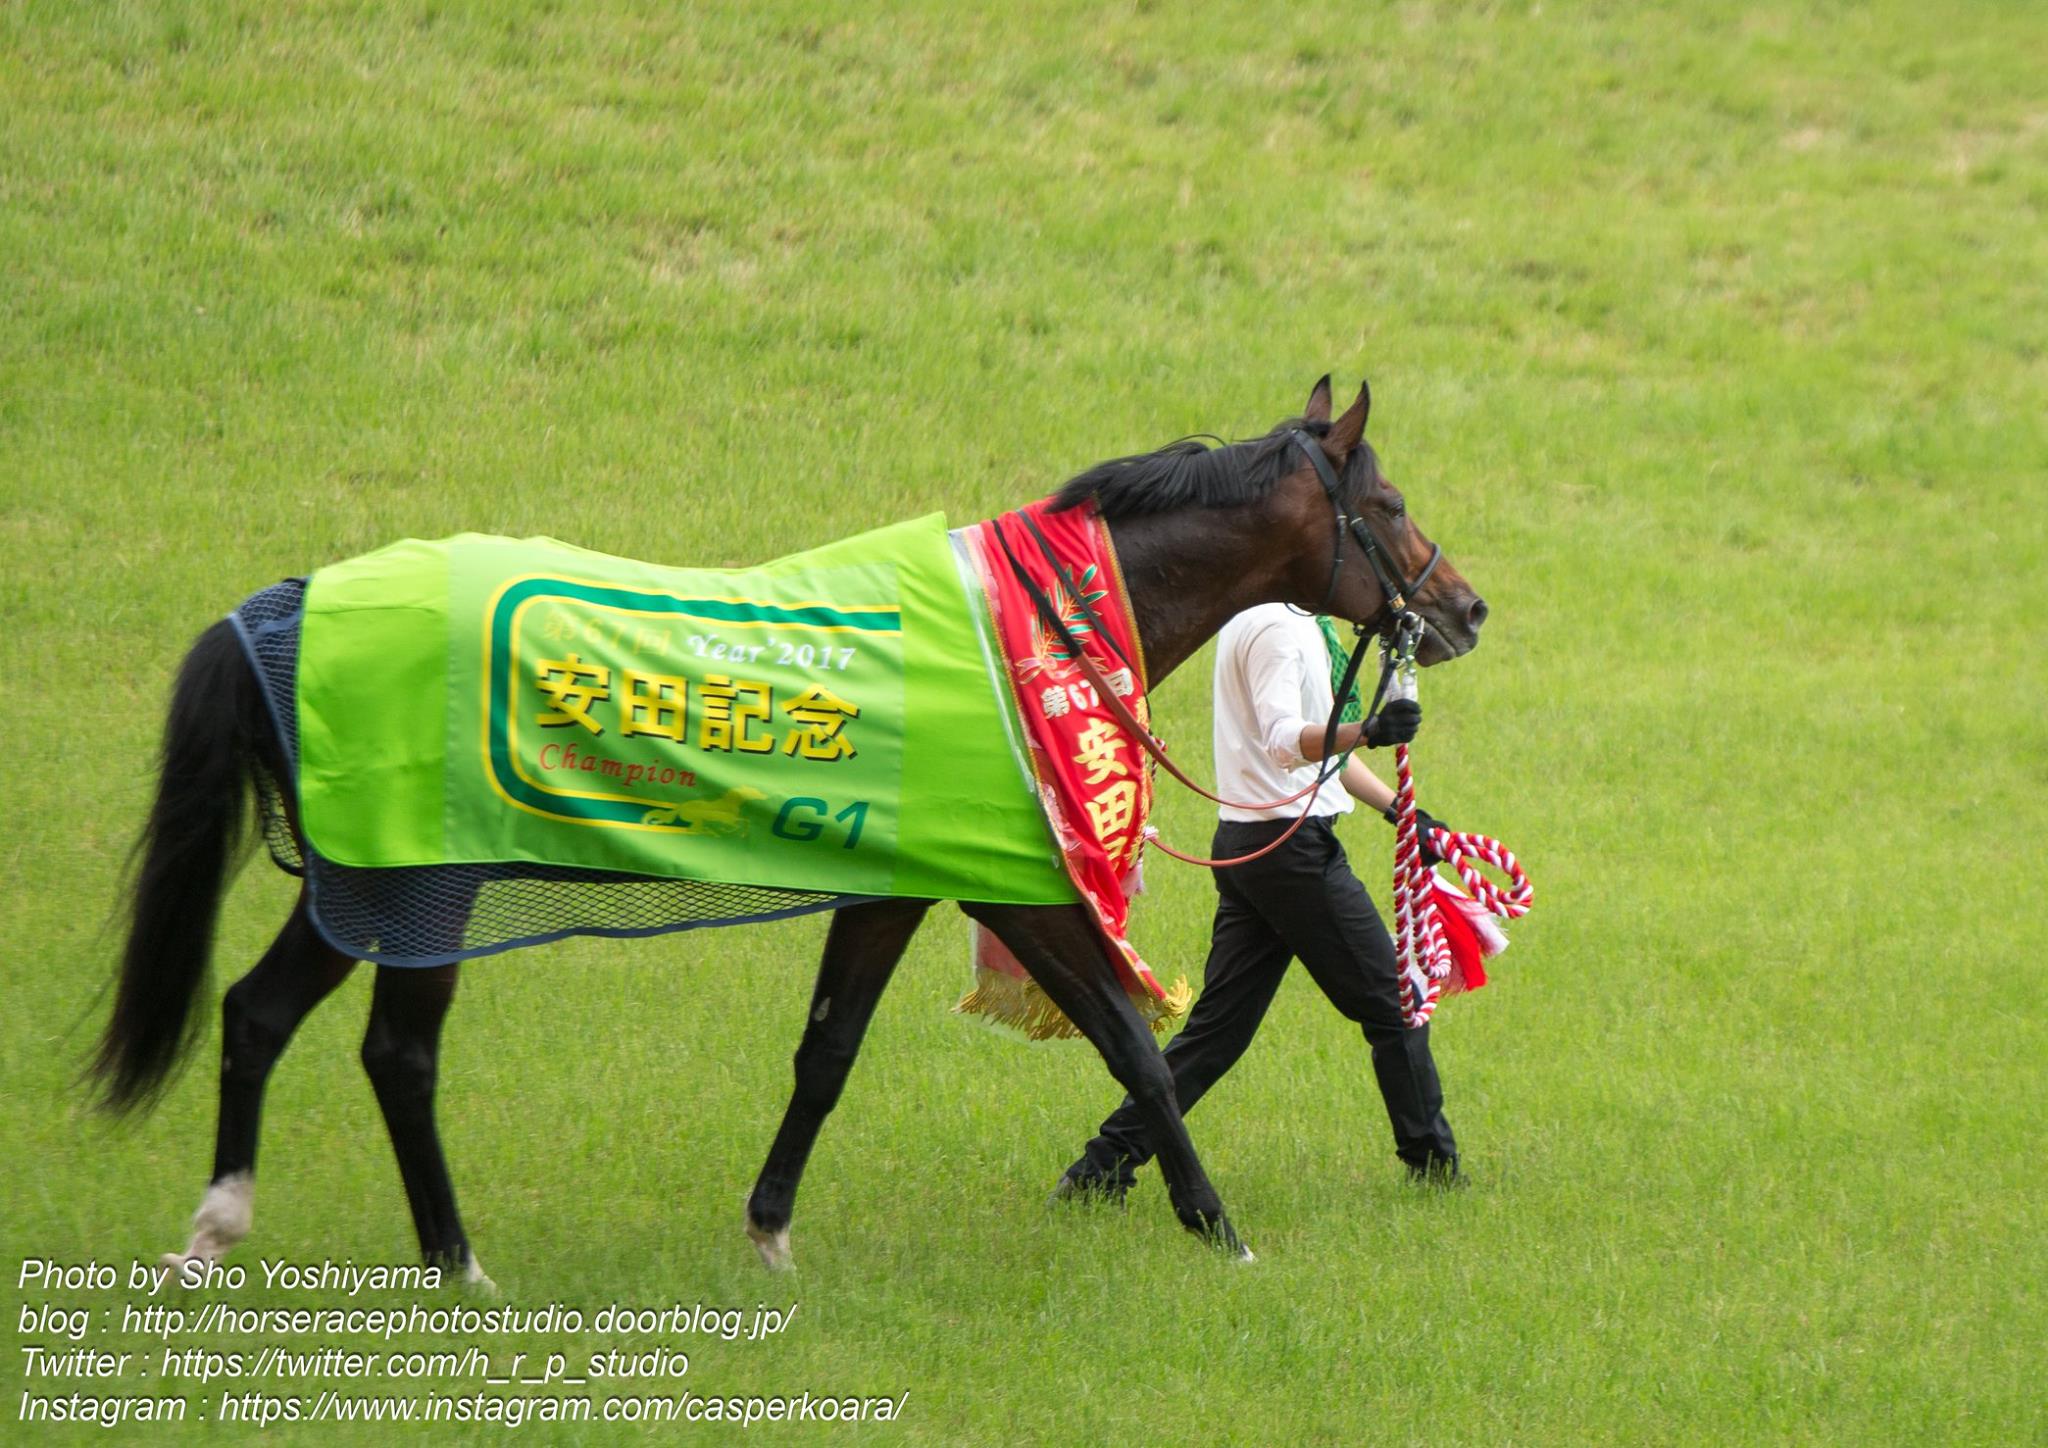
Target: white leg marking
x=474, y=1280
x=773, y=1247
x=220, y=1223
x=223, y=1217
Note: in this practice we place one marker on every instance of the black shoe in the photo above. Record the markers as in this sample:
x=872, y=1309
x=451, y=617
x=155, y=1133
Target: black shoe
x=1440, y=1172
x=1082, y=1184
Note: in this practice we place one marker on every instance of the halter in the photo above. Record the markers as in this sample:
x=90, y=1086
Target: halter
x=1395, y=592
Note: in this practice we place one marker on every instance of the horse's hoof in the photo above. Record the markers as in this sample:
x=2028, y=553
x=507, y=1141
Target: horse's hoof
x=170, y=1265
x=1222, y=1236
x=476, y=1283
x=1231, y=1245
x=773, y=1247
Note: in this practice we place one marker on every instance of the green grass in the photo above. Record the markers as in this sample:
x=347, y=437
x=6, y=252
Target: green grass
x=1707, y=339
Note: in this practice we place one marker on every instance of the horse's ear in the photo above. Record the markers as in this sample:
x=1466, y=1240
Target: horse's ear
x=1348, y=429
x=1318, y=409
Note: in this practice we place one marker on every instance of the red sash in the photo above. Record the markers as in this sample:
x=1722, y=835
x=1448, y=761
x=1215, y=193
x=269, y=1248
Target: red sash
x=1094, y=780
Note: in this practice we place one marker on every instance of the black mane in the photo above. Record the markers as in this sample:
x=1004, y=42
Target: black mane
x=1188, y=473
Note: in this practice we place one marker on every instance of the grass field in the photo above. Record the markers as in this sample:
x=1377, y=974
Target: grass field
x=1707, y=338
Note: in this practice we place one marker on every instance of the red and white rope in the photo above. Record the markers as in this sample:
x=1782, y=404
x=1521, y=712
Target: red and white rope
x=1421, y=953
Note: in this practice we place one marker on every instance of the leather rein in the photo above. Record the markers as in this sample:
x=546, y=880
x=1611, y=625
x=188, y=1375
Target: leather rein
x=1395, y=596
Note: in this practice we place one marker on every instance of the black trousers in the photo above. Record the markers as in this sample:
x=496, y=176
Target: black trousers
x=1300, y=902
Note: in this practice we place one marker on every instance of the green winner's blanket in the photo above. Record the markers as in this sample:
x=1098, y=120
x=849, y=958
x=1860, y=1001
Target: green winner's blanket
x=830, y=721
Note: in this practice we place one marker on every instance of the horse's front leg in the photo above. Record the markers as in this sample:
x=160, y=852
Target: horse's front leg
x=861, y=951
x=1061, y=948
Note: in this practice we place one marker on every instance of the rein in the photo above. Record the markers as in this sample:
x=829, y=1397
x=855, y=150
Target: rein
x=1152, y=744
x=1409, y=630
x=1394, y=594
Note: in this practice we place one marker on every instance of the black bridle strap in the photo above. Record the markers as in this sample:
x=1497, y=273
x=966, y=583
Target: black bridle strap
x=1395, y=593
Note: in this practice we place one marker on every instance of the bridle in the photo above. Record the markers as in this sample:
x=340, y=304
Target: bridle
x=1393, y=591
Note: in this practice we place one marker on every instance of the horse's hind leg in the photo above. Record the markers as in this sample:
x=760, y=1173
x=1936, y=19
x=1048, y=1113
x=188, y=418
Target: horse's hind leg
x=401, y=1053
x=258, y=1015
x=1061, y=948
x=861, y=951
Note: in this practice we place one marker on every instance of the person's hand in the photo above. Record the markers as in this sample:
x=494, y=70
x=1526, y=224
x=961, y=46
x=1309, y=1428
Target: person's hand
x=1396, y=723
x=1425, y=822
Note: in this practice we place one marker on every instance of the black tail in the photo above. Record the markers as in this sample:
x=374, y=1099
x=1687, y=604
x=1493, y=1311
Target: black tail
x=218, y=729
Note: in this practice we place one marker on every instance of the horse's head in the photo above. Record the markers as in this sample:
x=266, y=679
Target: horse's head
x=1358, y=544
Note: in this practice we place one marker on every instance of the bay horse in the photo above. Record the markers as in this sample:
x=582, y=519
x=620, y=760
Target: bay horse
x=1302, y=515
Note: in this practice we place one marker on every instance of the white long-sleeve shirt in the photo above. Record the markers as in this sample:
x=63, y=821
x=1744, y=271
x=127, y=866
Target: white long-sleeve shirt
x=1272, y=678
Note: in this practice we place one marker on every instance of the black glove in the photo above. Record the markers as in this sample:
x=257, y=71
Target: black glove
x=1425, y=823
x=1396, y=723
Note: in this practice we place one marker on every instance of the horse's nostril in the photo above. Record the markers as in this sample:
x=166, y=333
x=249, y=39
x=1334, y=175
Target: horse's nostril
x=1476, y=614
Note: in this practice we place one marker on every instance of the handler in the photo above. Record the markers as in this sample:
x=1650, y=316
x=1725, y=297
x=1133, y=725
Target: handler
x=1275, y=673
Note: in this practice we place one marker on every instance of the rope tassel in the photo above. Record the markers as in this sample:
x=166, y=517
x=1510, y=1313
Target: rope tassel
x=1424, y=954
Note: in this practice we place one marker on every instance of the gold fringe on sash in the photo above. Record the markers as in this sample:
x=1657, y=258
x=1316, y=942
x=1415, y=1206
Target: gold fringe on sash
x=1009, y=1004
